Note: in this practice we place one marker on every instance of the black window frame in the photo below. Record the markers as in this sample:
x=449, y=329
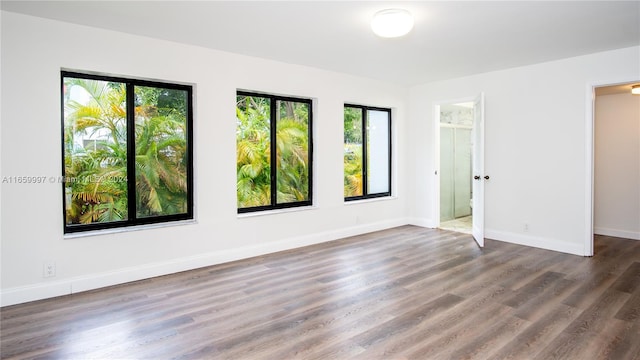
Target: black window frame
x=273, y=160
x=132, y=218
x=365, y=194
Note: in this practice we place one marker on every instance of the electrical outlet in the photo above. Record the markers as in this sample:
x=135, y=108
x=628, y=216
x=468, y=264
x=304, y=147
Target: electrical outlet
x=49, y=269
x=526, y=227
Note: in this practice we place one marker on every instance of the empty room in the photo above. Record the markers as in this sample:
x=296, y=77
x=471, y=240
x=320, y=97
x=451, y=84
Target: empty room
x=320, y=180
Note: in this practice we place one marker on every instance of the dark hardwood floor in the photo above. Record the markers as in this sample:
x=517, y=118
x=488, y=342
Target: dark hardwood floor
x=403, y=293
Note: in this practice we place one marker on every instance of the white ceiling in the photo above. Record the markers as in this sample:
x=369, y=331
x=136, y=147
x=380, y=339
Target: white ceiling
x=450, y=38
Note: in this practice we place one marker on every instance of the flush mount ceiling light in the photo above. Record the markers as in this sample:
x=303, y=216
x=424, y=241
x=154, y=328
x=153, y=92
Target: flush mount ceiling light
x=392, y=23
x=635, y=89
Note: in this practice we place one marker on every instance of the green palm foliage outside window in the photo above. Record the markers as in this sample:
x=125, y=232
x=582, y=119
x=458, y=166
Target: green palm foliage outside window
x=253, y=145
x=95, y=144
x=273, y=141
x=126, y=152
x=353, y=176
x=161, y=151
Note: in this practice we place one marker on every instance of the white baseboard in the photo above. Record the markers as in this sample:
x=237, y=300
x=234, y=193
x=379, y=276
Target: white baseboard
x=49, y=289
x=617, y=233
x=534, y=241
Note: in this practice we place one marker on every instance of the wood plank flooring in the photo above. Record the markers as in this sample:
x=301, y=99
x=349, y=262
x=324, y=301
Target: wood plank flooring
x=402, y=293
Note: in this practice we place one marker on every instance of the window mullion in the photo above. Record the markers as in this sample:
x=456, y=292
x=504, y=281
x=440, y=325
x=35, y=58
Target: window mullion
x=273, y=146
x=365, y=190
x=131, y=153
x=390, y=149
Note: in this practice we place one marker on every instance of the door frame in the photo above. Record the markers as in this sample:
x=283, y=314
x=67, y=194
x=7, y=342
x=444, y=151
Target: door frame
x=478, y=171
x=590, y=122
x=436, y=131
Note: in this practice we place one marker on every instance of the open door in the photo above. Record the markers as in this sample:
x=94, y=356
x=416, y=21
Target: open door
x=479, y=177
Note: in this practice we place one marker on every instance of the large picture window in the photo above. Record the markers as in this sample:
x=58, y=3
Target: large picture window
x=127, y=152
x=274, y=147
x=367, y=152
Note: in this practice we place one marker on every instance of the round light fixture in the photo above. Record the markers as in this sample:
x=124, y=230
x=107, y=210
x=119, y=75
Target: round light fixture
x=392, y=23
x=635, y=89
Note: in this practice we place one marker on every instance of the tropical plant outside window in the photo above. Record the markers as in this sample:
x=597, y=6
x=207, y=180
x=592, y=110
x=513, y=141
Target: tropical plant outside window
x=367, y=152
x=272, y=130
x=127, y=152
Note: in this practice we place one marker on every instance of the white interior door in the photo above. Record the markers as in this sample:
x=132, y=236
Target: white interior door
x=478, y=170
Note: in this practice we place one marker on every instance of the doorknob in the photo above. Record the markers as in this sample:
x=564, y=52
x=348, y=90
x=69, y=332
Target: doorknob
x=486, y=177
x=477, y=177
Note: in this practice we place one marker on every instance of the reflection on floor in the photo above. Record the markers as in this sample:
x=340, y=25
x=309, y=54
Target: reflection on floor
x=462, y=225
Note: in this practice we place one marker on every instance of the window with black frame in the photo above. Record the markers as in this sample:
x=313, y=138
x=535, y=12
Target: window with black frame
x=274, y=152
x=367, y=152
x=127, y=152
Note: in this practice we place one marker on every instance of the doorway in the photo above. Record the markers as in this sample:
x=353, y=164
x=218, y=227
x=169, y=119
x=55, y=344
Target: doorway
x=456, y=194
x=615, y=159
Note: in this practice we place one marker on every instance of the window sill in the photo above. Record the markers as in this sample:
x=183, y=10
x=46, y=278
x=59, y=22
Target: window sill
x=275, y=212
x=83, y=234
x=362, y=201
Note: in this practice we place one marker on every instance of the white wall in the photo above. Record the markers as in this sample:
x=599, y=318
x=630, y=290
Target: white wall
x=34, y=51
x=535, y=146
x=617, y=165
